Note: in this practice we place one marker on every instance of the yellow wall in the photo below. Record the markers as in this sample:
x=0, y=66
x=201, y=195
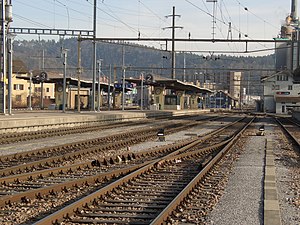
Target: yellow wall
x=20, y=91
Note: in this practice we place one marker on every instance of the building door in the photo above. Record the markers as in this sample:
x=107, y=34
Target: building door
x=283, y=109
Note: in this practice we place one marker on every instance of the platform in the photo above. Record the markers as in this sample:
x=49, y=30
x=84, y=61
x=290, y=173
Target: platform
x=27, y=119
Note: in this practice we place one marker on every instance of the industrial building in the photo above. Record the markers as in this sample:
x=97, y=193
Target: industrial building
x=281, y=90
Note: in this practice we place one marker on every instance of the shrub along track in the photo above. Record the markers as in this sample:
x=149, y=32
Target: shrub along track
x=82, y=179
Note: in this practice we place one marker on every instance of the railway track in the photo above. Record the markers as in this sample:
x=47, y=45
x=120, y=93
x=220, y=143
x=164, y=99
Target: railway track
x=100, y=179
x=39, y=134
x=28, y=160
x=65, y=129
x=60, y=155
x=291, y=128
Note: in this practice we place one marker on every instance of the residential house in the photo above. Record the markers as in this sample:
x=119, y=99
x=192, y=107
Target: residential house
x=281, y=92
x=21, y=88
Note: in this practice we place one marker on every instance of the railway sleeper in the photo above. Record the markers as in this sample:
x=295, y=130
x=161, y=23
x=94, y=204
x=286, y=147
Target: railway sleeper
x=148, y=206
x=149, y=189
x=128, y=210
x=160, y=202
x=92, y=221
x=165, y=183
x=141, y=198
x=150, y=192
x=118, y=215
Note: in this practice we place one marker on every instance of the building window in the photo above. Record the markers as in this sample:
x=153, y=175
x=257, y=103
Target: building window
x=290, y=87
x=18, y=98
x=37, y=89
x=282, y=77
x=18, y=87
x=47, y=89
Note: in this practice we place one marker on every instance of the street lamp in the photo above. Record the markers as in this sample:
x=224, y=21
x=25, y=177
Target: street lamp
x=65, y=54
x=30, y=84
x=5, y=20
x=99, y=74
x=142, y=90
x=10, y=38
x=123, y=87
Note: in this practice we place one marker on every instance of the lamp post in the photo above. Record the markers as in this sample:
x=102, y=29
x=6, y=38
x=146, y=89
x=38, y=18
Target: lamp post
x=108, y=91
x=123, y=88
x=123, y=77
x=65, y=54
x=10, y=66
x=99, y=75
x=142, y=90
x=6, y=18
x=30, y=84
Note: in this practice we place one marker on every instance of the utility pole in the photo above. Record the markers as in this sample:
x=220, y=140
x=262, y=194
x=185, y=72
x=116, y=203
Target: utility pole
x=184, y=65
x=114, y=89
x=142, y=90
x=3, y=53
x=173, y=27
x=10, y=71
x=123, y=77
x=42, y=82
x=229, y=34
x=78, y=74
x=214, y=17
x=108, y=91
x=94, y=55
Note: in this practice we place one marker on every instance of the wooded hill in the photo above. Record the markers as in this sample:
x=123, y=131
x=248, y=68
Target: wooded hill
x=139, y=59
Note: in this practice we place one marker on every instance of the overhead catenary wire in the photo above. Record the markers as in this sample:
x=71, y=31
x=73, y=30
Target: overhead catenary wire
x=222, y=22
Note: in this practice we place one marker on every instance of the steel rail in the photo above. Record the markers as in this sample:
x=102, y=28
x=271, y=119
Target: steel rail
x=39, y=134
x=58, y=216
x=294, y=139
x=163, y=216
x=168, y=149
x=62, y=150
x=68, y=156
x=101, y=161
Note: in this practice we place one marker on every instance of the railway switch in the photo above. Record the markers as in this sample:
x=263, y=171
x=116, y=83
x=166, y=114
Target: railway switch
x=261, y=130
x=161, y=134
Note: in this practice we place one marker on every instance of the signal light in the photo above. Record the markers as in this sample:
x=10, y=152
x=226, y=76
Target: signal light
x=282, y=92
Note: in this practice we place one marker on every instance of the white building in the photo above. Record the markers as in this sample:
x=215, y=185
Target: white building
x=235, y=84
x=281, y=93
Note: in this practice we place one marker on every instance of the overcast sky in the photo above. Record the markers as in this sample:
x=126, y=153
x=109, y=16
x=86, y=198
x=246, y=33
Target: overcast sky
x=252, y=19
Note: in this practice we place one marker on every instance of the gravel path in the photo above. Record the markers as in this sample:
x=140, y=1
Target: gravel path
x=242, y=202
x=287, y=163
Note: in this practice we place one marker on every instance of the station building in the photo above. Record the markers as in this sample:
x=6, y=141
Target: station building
x=169, y=94
x=281, y=92
x=282, y=89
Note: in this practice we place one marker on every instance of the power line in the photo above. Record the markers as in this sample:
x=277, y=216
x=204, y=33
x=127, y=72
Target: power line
x=223, y=22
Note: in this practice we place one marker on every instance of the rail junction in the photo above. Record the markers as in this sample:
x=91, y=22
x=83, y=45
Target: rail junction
x=118, y=171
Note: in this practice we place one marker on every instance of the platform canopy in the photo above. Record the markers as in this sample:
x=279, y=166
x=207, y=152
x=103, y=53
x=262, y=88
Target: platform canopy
x=58, y=80
x=172, y=84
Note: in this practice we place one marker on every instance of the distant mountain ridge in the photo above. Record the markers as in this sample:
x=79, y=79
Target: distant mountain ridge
x=47, y=54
